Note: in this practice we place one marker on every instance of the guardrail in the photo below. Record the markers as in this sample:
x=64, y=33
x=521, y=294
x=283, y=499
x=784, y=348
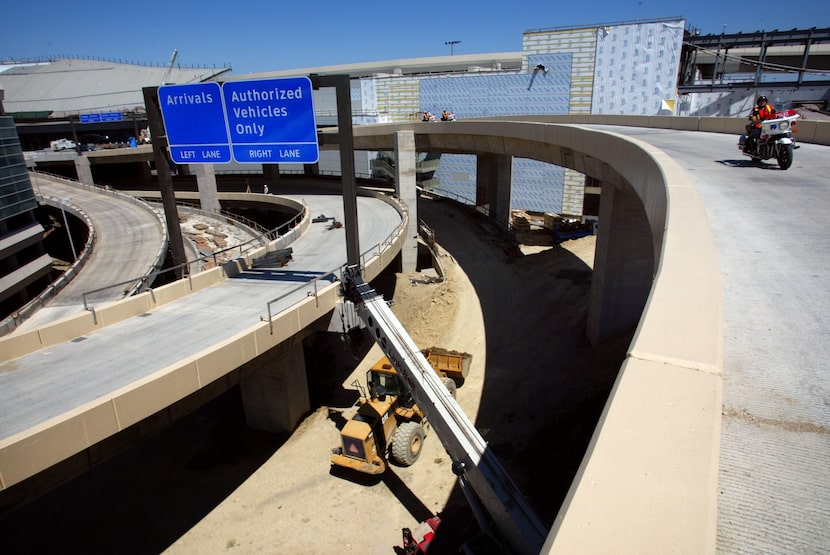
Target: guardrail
x=91, y=319
x=332, y=275
x=162, y=252
x=236, y=219
x=11, y=322
x=266, y=237
x=290, y=171
x=253, y=228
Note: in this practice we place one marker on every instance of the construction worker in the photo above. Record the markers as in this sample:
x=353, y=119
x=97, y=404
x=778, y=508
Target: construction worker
x=762, y=110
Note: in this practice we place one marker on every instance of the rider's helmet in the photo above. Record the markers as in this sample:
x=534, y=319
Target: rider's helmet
x=762, y=101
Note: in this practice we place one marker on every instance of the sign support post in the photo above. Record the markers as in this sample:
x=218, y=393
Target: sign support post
x=168, y=195
x=346, y=141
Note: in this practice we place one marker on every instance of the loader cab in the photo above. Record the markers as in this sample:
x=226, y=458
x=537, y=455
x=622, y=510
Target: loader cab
x=383, y=378
x=381, y=383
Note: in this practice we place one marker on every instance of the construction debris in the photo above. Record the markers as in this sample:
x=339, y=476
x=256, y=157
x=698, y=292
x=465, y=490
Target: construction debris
x=278, y=258
x=426, y=276
x=565, y=228
x=521, y=220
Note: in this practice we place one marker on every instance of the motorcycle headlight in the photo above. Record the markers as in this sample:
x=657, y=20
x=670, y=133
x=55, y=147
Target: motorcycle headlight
x=783, y=125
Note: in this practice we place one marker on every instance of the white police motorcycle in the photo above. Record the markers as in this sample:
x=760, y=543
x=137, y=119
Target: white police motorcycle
x=776, y=140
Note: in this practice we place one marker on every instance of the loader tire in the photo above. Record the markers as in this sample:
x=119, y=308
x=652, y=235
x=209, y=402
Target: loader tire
x=449, y=383
x=407, y=443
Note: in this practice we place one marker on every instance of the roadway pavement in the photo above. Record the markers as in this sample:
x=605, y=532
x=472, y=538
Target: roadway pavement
x=771, y=229
x=47, y=383
x=129, y=238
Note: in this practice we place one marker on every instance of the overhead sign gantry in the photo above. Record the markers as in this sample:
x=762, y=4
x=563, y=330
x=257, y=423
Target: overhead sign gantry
x=266, y=121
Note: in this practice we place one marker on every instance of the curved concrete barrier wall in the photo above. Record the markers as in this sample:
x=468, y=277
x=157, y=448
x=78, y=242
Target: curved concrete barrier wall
x=808, y=131
x=648, y=481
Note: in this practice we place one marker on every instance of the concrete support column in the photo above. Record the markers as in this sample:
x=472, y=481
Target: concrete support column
x=573, y=193
x=275, y=388
x=84, y=171
x=206, y=180
x=494, y=184
x=405, y=162
x=484, y=169
x=271, y=172
x=623, y=265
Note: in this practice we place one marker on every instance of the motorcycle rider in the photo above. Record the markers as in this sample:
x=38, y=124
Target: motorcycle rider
x=762, y=110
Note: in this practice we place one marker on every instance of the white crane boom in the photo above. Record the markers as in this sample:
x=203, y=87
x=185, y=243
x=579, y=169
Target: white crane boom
x=473, y=461
x=170, y=67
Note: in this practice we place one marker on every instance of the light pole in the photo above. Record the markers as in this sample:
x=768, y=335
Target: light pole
x=33, y=158
x=452, y=44
x=66, y=225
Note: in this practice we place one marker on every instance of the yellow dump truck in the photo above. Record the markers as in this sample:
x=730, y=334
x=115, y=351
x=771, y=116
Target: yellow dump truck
x=388, y=423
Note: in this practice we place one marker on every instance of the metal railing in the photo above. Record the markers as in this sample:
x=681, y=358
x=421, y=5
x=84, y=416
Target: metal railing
x=470, y=203
x=26, y=311
x=235, y=219
x=144, y=282
x=162, y=252
x=290, y=171
x=11, y=322
x=257, y=231
x=265, y=238
x=336, y=274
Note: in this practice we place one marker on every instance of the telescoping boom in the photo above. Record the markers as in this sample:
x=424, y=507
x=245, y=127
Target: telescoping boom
x=484, y=482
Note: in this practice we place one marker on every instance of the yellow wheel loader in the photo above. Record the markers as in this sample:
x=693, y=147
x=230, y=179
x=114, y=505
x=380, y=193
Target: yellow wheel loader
x=388, y=423
x=502, y=512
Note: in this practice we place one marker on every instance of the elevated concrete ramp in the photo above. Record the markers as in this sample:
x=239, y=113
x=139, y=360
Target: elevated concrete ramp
x=121, y=229
x=69, y=385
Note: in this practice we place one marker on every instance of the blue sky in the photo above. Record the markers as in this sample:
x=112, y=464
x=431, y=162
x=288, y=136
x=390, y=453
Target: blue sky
x=255, y=36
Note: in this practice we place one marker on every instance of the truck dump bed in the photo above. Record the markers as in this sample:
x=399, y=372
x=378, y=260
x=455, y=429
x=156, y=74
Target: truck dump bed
x=453, y=364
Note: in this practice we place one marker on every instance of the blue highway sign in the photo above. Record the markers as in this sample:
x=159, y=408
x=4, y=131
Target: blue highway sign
x=194, y=119
x=271, y=120
x=107, y=116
